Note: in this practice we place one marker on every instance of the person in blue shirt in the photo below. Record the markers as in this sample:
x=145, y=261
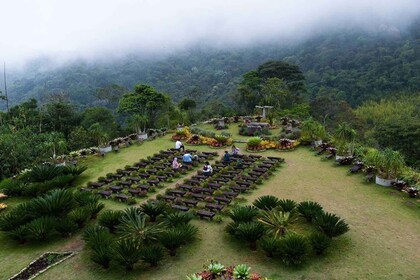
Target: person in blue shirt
x=187, y=158
x=226, y=157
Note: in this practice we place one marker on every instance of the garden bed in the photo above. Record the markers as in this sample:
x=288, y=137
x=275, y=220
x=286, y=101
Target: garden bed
x=44, y=262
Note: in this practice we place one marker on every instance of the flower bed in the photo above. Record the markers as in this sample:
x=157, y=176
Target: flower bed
x=44, y=262
x=287, y=144
x=217, y=270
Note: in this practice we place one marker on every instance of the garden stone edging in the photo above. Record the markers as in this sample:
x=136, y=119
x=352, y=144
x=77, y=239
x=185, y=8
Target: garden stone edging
x=71, y=254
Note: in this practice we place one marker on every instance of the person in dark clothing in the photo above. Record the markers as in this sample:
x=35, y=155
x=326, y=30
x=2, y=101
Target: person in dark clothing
x=226, y=157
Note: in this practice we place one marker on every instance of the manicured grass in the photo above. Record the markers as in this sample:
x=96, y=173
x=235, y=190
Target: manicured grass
x=382, y=242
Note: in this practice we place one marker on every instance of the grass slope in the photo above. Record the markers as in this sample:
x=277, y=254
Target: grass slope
x=382, y=242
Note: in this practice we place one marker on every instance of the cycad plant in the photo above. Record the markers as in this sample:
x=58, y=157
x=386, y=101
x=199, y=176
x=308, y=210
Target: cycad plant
x=134, y=225
x=40, y=229
x=330, y=224
x=44, y=172
x=110, y=219
x=320, y=242
x=153, y=209
x=127, y=252
x=241, y=214
x=287, y=205
x=152, y=254
x=250, y=232
x=276, y=221
x=80, y=216
x=293, y=249
x=309, y=209
x=178, y=218
x=266, y=202
x=172, y=239
x=66, y=227
x=269, y=245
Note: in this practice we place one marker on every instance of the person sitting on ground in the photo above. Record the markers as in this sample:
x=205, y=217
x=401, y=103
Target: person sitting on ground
x=187, y=158
x=179, y=145
x=226, y=157
x=207, y=169
x=176, y=164
x=235, y=150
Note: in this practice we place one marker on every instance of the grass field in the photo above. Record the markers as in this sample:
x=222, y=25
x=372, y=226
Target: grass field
x=382, y=243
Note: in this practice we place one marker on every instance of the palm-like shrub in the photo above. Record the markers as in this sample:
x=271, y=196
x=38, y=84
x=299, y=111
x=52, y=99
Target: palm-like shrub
x=40, y=229
x=266, y=202
x=110, y=219
x=287, y=205
x=134, y=225
x=94, y=208
x=96, y=236
x=74, y=169
x=127, y=252
x=189, y=232
x=18, y=216
x=44, y=172
x=102, y=255
x=320, y=242
x=172, y=239
x=276, y=221
x=250, y=232
x=84, y=198
x=241, y=271
x=153, y=209
x=66, y=227
x=178, y=218
x=330, y=224
x=309, y=209
x=241, y=214
x=57, y=203
x=293, y=249
x=270, y=245
x=19, y=234
x=152, y=254
x=80, y=216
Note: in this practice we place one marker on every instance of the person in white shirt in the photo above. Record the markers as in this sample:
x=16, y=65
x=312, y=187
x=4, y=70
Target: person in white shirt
x=207, y=169
x=179, y=146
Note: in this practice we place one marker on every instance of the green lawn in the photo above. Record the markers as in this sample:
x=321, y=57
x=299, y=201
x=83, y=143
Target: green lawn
x=382, y=243
x=233, y=129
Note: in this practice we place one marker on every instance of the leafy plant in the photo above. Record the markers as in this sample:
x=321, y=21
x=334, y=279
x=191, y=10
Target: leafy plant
x=194, y=277
x=102, y=255
x=309, y=209
x=254, y=141
x=40, y=229
x=330, y=224
x=216, y=268
x=94, y=208
x=241, y=214
x=153, y=209
x=320, y=242
x=172, y=239
x=242, y=271
x=134, y=225
x=389, y=163
x=152, y=254
x=178, y=218
x=74, y=169
x=110, y=219
x=80, y=216
x=44, y=172
x=270, y=245
x=275, y=221
x=127, y=252
x=287, y=205
x=266, y=202
x=66, y=227
x=250, y=232
x=293, y=249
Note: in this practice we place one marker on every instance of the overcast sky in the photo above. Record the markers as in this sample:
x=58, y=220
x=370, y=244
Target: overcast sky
x=92, y=28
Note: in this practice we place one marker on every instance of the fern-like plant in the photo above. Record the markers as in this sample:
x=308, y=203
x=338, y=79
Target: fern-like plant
x=309, y=209
x=266, y=202
x=110, y=219
x=330, y=224
x=276, y=221
x=294, y=249
x=127, y=252
x=40, y=229
x=152, y=254
x=153, y=209
x=287, y=205
x=242, y=214
x=250, y=232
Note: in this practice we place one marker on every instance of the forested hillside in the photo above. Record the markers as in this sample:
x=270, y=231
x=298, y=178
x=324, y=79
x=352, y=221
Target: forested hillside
x=354, y=66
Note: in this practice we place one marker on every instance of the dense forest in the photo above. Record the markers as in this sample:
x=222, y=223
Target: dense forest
x=351, y=65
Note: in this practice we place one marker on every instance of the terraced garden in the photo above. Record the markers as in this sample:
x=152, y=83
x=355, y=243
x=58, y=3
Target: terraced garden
x=381, y=244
